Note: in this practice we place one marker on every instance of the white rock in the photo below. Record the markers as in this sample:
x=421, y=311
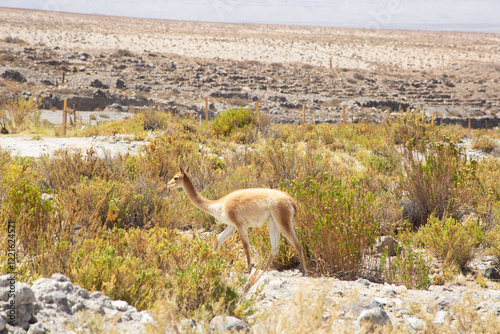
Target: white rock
x=60, y=278
x=415, y=324
x=276, y=284
x=146, y=317
x=37, y=329
x=120, y=305
x=385, y=301
x=24, y=294
x=441, y=317
x=222, y=324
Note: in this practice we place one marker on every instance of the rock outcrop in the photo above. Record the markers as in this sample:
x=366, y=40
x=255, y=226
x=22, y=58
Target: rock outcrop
x=53, y=305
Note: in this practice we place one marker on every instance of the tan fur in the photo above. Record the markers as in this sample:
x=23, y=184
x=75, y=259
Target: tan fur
x=246, y=208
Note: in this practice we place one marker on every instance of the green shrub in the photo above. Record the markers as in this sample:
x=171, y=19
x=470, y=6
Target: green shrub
x=493, y=243
x=408, y=267
x=378, y=163
x=118, y=277
x=141, y=267
x=450, y=241
x=335, y=223
x=24, y=208
x=232, y=119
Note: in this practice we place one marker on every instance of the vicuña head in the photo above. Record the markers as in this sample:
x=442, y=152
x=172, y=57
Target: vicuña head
x=246, y=208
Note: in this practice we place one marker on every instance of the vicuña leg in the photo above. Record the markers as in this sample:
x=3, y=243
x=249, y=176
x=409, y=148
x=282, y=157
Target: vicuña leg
x=274, y=235
x=246, y=245
x=230, y=229
x=284, y=222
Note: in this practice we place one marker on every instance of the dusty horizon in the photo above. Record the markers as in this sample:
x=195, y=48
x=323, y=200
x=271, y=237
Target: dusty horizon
x=438, y=15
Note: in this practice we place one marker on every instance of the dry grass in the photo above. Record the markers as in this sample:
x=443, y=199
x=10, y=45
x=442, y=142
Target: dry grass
x=111, y=216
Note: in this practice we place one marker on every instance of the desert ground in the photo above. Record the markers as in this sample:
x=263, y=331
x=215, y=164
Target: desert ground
x=175, y=65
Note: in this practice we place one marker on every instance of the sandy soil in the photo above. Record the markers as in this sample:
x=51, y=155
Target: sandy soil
x=348, y=48
x=36, y=145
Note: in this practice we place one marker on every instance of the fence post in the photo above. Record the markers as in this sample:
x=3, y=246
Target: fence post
x=206, y=108
x=65, y=110
x=303, y=113
x=257, y=112
x=343, y=113
x=62, y=80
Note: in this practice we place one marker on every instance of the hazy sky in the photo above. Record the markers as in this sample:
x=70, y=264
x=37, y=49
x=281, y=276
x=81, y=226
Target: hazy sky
x=463, y=15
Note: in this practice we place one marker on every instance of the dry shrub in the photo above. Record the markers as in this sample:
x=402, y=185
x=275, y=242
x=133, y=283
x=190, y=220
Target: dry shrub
x=483, y=144
x=127, y=191
x=19, y=113
x=358, y=76
x=434, y=174
x=154, y=119
x=335, y=102
x=13, y=40
x=281, y=162
x=468, y=321
x=124, y=53
x=411, y=129
x=493, y=242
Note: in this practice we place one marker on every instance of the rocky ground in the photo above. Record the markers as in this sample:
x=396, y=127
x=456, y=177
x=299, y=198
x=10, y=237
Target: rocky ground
x=57, y=306
x=176, y=65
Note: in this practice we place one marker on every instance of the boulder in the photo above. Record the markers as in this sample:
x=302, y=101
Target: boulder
x=492, y=274
x=98, y=84
x=53, y=302
x=415, y=324
x=441, y=317
x=370, y=320
x=120, y=84
x=387, y=245
x=13, y=75
x=221, y=324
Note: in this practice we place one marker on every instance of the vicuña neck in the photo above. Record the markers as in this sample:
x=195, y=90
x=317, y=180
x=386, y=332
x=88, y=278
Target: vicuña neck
x=201, y=202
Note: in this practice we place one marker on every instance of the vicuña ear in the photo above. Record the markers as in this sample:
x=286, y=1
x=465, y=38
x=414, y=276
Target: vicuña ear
x=182, y=171
x=187, y=169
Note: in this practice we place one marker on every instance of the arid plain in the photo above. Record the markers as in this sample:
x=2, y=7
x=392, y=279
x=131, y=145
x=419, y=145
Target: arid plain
x=175, y=64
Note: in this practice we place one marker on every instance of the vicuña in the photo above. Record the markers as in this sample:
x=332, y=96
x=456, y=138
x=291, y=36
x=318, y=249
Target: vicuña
x=246, y=208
